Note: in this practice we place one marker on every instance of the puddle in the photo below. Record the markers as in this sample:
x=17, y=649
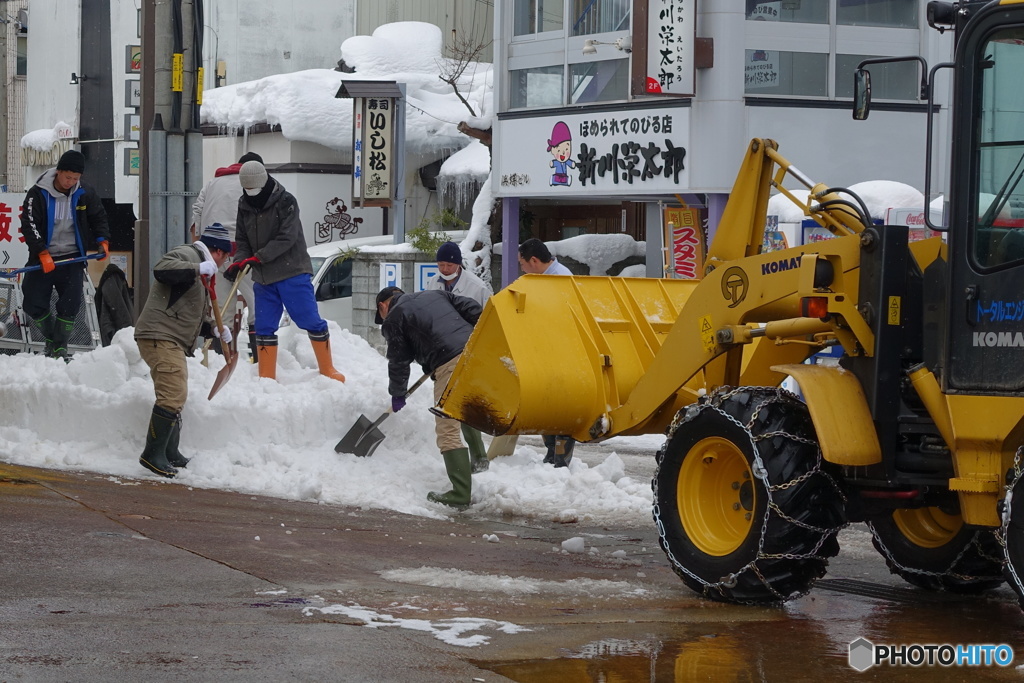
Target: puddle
x=810, y=642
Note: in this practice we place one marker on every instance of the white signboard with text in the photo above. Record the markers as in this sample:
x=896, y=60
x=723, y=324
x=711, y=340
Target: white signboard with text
x=390, y=275
x=638, y=151
x=670, y=44
x=13, y=252
x=425, y=272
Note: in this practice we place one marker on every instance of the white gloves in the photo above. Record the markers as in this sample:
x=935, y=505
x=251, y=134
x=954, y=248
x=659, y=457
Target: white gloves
x=207, y=268
x=225, y=334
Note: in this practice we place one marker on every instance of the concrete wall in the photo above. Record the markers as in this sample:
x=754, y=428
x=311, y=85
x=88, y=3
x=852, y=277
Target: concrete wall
x=257, y=38
x=471, y=17
x=366, y=284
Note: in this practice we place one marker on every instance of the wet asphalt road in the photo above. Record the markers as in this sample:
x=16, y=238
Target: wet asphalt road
x=108, y=579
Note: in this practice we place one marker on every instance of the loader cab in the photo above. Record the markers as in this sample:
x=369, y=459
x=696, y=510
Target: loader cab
x=984, y=350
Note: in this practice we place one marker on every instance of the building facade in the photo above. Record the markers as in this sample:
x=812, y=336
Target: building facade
x=612, y=111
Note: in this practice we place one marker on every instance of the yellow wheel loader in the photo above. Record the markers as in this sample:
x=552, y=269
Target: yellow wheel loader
x=915, y=431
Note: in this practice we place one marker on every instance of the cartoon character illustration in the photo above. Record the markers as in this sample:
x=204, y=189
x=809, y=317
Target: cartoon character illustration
x=336, y=218
x=560, y=147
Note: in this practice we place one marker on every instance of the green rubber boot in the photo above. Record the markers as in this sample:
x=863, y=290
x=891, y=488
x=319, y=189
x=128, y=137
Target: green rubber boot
x=61, y=334
x=456, y=462
x=45, y=327
x=477, y=452
x=154, y=456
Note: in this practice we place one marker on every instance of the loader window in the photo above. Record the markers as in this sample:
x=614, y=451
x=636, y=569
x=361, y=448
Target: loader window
x=999, y=231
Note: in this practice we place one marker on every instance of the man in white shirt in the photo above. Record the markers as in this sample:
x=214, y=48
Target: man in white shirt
x=456, y=279
x=536, y=258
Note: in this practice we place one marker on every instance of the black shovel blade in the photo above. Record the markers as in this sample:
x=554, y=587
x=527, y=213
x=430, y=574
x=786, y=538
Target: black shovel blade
x=363, y=438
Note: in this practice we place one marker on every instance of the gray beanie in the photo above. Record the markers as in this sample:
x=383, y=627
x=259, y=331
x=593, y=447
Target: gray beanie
x=252, y=175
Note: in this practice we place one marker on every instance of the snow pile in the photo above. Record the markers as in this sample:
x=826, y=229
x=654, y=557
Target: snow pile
x=600, y=252
x=878, y=195
x=44, y=147
x=451, y=631
x=277, y=438
x=305, y=106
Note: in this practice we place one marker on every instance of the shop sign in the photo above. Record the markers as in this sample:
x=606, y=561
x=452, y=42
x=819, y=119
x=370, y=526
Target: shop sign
x=626, y=152
x=684, y=243
x=372, y=144
x=670, y=45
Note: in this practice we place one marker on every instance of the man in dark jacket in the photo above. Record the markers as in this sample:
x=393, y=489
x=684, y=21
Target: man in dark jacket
x=178, y=304
x=430, y=328
x=270, y=240
x=60, y=219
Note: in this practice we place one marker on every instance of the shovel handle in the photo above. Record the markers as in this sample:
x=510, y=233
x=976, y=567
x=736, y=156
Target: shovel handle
x=208, y=283
x=62, y=262
x=416, y=386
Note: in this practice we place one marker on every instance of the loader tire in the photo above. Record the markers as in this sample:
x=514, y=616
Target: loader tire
x=1013, y=534
x=746, y=509
x=932, y=549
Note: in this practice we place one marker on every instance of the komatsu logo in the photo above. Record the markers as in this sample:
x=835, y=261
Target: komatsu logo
x=779, y=266
x=992, y=339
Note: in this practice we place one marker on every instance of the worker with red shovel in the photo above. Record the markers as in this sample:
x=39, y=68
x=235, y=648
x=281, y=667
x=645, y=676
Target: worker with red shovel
x=178, y=303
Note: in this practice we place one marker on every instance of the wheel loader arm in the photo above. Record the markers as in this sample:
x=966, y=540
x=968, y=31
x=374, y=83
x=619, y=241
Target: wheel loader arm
x=595, y=357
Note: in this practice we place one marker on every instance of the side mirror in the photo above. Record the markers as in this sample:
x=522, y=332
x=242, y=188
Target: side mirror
x=861, y=94
x=324, y=291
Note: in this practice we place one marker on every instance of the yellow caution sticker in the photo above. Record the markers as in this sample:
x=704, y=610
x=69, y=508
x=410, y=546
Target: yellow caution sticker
x=707, y=333
x=894, y=310
x=177, y=72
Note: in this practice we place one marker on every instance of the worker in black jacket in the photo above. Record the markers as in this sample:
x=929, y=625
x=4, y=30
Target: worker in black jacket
x=430, y=328
x=60, y=219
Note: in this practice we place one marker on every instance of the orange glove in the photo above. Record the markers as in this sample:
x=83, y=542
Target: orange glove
x=105, y=246
x=46, y=261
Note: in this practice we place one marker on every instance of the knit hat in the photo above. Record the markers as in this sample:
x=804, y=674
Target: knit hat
x=72, y=160
x=449, y=252
x=252, y=175
x=216, y=237
x=250, y=156
x=382, y=296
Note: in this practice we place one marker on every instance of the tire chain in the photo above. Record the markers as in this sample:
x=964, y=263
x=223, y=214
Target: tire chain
x=999, y=536
x=710, y=402
x=1010, y=570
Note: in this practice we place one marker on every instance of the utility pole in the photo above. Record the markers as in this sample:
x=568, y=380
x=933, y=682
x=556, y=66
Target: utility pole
x=169, y=94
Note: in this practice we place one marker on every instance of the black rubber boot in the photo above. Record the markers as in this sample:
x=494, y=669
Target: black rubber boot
x=549, y=457
x=154, y=456
x=564, y=446
x=456, y=462
x=45, y=327
x=477, y=452
x=61, y=334
x=174, y=456
x=252, y=347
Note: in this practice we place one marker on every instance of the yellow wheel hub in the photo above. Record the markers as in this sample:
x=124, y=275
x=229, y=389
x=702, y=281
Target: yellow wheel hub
x=927, y=527
x=715, y=496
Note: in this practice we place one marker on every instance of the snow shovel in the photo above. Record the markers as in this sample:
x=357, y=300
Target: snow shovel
x=230, y=358
x=364, y=436
x=237, y=324
x=62, y=262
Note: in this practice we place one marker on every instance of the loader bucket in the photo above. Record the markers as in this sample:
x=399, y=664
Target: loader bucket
x=552, y=354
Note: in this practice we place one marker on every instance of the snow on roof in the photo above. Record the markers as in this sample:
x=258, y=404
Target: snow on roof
x=43, y=139
x=878, y=195
x=304, y=103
